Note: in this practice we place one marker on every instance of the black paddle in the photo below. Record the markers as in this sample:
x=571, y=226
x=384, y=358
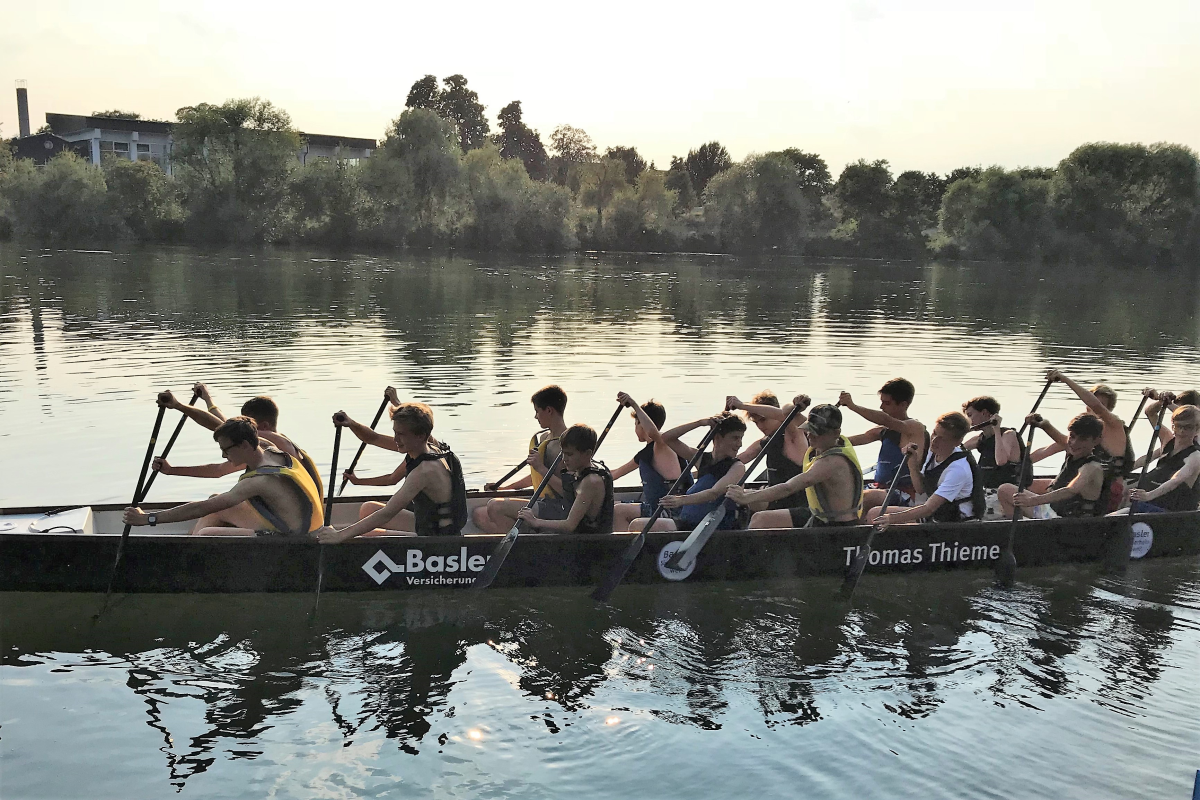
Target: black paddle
x=860, y=560
x=1120, y=556
x=1006, y=567
x=137, y=498
x=1041, y=397
x=496, y=559
x=514, y=470
x=1137, y=415
x=337, y=446
x=166, y=450
x=694, y=543
x=616, y=572
x=363, y=446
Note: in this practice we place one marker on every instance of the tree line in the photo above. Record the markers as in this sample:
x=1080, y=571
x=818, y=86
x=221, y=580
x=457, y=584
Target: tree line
x=442, y=177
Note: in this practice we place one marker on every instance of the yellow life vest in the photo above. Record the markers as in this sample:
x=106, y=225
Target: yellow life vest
x=816, y=500
x=534, y=444
x=306, y=490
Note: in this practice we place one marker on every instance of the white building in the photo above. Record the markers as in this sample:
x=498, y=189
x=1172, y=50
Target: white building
x=146, y=140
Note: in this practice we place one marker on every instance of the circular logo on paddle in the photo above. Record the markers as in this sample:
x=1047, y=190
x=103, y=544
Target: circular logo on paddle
x=1143, y=538
x=664, y=556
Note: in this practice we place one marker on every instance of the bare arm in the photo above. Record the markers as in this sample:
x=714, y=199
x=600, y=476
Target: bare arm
x=624, y=469
x=715, y=492
x=1189, y=473
x=821, y=470
x=877, y=416
x=364, y=432
x=588, y=496
x=218, y=470
x=671, y=437
x=867, y=437
x=1090, y=480
x=391, y=479
x=1094, y=404
x=1008, y=448
x=923, y=511
x=397, y=503
x=244, y=490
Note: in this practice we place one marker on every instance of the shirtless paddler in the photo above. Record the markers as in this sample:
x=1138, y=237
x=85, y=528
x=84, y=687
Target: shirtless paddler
x=274, y=496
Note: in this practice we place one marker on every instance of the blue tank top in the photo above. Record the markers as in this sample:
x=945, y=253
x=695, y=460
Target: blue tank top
x=710, y=473
x=654, y=485
x=891, y=458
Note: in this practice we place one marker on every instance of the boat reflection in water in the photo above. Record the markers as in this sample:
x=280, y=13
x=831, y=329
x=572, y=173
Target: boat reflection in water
x=224, y=680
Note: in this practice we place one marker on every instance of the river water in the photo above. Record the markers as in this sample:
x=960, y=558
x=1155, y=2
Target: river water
x=1074, y=684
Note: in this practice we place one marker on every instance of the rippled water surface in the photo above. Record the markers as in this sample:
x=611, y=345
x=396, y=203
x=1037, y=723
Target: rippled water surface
x=1075, y=684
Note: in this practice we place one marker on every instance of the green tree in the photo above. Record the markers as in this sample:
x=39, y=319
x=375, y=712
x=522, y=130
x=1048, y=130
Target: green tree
x=143, y=197
x=679, y=181
x=234, y=163
x=453, y=102
x=863, y=205
x=997, y=214
x=64, y=201
x=509, y=211
x=759, y=205
x=916, y=200
x=425, y=146
x=706, y=162
x=812, y=172
x=570, y=147
x=328, y=201
x=1128, y=202
x=117, y=114
x=635, y=165
x=599, y=184
x=517, y=140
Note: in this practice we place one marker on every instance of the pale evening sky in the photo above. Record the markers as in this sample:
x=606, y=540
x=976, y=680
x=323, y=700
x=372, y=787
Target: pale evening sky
x=928, y=85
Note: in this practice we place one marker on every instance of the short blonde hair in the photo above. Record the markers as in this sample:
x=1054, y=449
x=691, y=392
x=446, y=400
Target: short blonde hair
x=1107, y=395
x=1186, y=415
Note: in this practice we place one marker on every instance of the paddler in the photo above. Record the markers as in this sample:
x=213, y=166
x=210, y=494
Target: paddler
x=656, y=463
x=785, y=456
x=500, y=514
x=432, y=501
x=1175, y=481
x=589, y=489
x=949, y=486
x=716, y=471
x=831, y=480
x=895, y=430
x=1115, y=447
x=1081, y=487
x=1001, y=451
x=265, y=413
x=274, y=496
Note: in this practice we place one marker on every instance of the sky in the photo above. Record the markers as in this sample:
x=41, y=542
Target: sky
x=925, y=84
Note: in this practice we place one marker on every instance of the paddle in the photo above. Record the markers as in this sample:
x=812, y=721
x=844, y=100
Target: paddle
x=694, y=543
x=860, y=560
x=337, y=446
x=1137, y=415
x=616, y=572
x=1124, y=545
x=510, y=473
x=496, y=559
x=1006, y=567
x=137, y=498
x=166, y=450
x=362, y=446
x=1041, y=397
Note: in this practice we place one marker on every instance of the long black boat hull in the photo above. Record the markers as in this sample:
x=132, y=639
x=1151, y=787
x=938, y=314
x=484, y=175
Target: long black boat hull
x=67, y=562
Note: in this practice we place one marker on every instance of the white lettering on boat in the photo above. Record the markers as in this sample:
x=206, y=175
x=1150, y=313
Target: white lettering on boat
x=939, y=552
x=380, y=567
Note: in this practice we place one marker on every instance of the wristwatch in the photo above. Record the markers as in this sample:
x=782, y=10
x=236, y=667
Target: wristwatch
x=152, y=520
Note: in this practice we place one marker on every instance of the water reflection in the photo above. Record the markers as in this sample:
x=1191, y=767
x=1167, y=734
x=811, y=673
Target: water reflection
x=414, y=672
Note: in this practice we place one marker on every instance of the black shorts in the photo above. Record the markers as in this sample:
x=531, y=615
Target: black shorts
x=802, y=514
x=552, y=509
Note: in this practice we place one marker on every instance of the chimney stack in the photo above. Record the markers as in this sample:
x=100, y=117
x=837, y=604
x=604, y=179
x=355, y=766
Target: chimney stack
x=22, y=109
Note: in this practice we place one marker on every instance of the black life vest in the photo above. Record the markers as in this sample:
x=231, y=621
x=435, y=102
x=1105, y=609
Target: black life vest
x=1078, y=506
x=781, y=469
x=950, y=511
x=602, y=520
x=993, y=474
x=434, y=518
x=1183, y=497
x=1118, y=466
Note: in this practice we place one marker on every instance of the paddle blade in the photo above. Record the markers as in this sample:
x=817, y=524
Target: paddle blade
x=1006, y=569
x=855, y=572
x=496, y=560
x=619, y=568
x=686, y=555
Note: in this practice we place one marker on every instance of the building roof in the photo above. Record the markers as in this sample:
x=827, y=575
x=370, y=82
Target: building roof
x=41, y=147
x=63, y=124
x=70, y=123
